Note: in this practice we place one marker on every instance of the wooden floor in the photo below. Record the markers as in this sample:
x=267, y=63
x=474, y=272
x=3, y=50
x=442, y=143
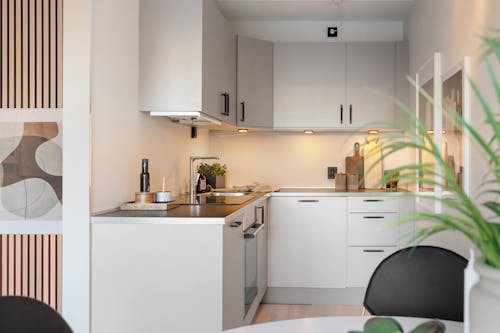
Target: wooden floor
x=274, y=312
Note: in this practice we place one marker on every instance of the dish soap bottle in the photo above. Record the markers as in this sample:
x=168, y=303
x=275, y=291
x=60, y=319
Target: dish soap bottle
x=145, y=176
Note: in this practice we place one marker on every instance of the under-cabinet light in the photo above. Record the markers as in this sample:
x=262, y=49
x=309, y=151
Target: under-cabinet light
x=242, y=130
x=308, y=132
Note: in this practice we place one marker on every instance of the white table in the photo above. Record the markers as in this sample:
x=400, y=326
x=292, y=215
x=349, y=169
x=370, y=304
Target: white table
x=334, y=325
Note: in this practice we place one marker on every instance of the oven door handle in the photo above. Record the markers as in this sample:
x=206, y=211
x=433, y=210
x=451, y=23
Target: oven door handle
x=257, y=228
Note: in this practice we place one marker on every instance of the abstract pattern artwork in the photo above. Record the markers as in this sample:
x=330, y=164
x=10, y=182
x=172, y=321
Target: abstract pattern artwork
x=30, y=171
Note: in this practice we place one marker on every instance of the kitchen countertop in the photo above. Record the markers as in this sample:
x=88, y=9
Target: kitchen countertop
x=184, y=214
x=326, y=191
x=220, y=214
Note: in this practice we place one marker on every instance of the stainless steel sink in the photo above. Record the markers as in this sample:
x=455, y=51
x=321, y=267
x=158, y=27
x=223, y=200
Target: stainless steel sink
x=228, y=194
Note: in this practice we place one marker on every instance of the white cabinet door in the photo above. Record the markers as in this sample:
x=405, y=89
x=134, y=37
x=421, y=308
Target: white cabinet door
x=255, y=83
x=362, y=263
x=370, y=72
x=307, y=239
x=187, y=58
x=233, y=274
x=219, y=65
x=309, y=85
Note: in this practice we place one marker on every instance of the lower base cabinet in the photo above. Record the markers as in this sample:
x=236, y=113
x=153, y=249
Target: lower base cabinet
x=307, y=242
x=362, y=262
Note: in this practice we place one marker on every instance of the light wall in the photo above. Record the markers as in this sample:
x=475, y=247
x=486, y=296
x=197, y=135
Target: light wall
x=122, y=135
x=286, y=159
x=453, y=27
x=315, y=31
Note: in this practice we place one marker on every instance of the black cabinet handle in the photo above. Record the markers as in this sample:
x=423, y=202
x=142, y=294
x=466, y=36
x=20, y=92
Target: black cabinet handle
x=242, y=111
x=373, y=217
x=235, y=224
x=225, y=107
x=341, y=113
x=373, y=200
x=350, y=114
x=373, y=251
x=308, y=200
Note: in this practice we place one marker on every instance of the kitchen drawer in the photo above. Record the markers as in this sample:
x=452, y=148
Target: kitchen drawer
x=372, y=229
x=362, y=261
x=373, y=204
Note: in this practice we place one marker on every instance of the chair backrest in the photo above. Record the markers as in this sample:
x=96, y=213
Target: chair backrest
x=422, y=281
x=27, y=315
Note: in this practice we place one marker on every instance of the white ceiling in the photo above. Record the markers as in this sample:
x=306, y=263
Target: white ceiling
x=315, y=10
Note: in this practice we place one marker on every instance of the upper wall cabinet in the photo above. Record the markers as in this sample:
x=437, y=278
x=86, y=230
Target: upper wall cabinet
x=333, y=85
x=255, y=83
x=309, y=85
x=370, y=83
x=187, y=58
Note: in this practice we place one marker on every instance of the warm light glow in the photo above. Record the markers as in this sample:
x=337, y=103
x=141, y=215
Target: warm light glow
x=308, y=132
x=373, y=131
x=430, y=131
x=242, y=130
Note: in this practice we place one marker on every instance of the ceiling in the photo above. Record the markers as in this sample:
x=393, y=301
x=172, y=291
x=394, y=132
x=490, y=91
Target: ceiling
x=315, y=10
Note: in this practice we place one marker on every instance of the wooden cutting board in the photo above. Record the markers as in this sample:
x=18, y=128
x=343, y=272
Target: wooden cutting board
x=355, y=164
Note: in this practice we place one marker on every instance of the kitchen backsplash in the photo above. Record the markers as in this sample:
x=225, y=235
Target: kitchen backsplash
x=287, y=159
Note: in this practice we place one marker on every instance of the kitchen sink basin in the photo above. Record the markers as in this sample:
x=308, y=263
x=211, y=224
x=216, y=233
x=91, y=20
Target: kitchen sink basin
x=228, y=194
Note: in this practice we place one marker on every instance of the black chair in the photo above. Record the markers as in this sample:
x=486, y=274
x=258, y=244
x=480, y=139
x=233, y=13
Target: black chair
x=27, y=315
x=422, y=281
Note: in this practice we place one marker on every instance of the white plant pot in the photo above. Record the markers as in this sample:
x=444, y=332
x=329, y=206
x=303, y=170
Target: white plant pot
x=485, y=300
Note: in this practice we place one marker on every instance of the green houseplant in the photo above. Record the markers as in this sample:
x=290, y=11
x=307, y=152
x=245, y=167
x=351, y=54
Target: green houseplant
x=389, y=325
x=476, y=218
x=215, y=174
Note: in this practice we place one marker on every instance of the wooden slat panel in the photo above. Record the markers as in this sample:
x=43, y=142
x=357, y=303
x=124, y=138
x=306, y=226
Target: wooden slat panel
x=4, y=54
x=12, y=65
x=17, y=264
x=3, y=265
x=25, y=265
x=59, y=274
x=45, y=56
x=18, y=54
x=38, y=47
x=10, y=264
x=59, y=53
x=52, y=53
x=38, y=267
x=32, y=265
x=24, y=51
x=32, y=50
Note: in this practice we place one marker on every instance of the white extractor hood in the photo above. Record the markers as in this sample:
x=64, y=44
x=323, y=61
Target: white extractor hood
x=187, y=117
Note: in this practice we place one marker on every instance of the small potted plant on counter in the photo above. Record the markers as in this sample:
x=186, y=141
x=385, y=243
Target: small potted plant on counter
x=215, y=174
x=389, y=325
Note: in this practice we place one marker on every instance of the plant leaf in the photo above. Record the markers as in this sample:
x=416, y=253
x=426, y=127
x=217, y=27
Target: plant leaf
x=433, y=326
x=382, y=325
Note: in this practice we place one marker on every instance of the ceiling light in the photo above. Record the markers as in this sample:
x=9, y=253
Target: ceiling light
x=308, y=131
x=242, y=130
x=373, y=131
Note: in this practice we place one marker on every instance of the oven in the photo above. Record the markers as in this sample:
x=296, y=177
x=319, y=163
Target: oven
x=253, y=254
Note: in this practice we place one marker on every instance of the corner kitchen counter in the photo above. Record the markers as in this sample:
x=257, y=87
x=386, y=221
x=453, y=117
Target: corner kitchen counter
x=327, y=191
x=184, y=214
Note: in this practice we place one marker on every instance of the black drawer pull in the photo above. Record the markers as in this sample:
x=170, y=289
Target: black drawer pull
x=235, y=224
x=373, y=217
x=373, y=251
x=308, y=200
x=373, y=200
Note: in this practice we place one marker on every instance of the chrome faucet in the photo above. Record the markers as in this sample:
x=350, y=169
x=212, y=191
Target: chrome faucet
x=192, y=185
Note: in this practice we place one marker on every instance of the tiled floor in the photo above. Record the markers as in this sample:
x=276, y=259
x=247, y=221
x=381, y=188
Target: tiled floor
x=274, y=312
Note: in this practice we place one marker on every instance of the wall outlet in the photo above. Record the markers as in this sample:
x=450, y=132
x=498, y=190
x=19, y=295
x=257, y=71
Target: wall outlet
x=331, y=171
x=332, y=32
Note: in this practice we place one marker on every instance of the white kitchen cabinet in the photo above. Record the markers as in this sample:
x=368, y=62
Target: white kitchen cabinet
x=255, y=83
x=363, y=261
x=403, y=86
x=370, y=83
x=307, y=239
x=187, y=58
x=372, y=235
x=334, y=85
x=262, y=210
x=233, y=274
x=309, y=85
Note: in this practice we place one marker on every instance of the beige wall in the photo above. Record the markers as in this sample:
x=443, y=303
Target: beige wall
x=122, y=135
x=286, y=159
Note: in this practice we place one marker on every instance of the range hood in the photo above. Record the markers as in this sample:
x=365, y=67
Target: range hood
x=196, y=118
